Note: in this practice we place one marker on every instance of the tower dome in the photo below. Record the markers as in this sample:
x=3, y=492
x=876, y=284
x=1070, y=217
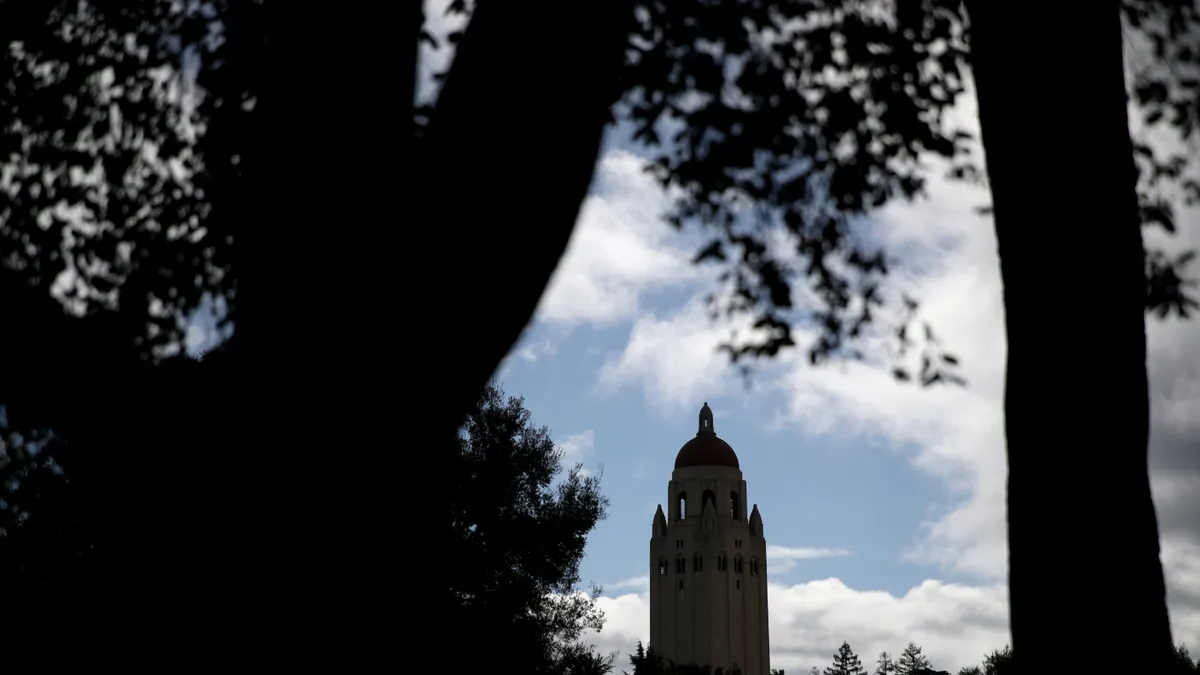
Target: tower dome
x=706, y=449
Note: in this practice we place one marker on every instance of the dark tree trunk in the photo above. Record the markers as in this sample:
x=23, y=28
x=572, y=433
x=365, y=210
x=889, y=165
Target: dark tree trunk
x=504, y=166
x=1083, y=537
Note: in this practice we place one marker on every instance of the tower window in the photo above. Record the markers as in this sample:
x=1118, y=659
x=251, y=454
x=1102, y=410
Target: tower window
x=680, y=565
x=709, y=497
x=697, y=562
x=754, y=567
x=681, y=584
x=737, y=565
x=722, y=563
x=739, y=584
x=682, y=505
x=662, y=566
x=733, y=505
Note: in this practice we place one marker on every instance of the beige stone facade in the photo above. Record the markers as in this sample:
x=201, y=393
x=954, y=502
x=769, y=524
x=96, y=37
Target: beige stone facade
x=708, y=563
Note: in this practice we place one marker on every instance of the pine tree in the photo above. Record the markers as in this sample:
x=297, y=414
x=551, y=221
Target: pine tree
x=845, y=662
x=814, y=671
x=885, y=665
x=645, y=661
x=911, y=661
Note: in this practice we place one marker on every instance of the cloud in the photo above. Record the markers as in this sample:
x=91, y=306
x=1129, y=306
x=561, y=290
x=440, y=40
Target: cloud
x=620, y=250
x=954, y=624
x=576, y=446
x=531, y=352
x=640, y=584
x=783, y=559
x=431, y=61
x=673, y=359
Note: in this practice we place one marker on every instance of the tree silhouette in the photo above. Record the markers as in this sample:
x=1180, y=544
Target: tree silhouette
x=998, y=662
x=845, y=662
x=516, y=540
x=911, y=661
x=885, y=665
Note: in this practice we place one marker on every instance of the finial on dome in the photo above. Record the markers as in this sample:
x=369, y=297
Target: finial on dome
x=706, y=421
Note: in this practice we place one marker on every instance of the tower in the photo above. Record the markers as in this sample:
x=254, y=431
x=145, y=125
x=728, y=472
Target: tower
x=708, y=562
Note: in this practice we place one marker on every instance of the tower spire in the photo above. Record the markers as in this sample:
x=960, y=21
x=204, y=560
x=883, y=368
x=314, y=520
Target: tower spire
x=706, y=421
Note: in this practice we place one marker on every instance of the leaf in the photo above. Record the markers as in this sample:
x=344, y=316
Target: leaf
x=714, y=250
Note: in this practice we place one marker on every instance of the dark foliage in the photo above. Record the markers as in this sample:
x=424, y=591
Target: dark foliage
x=109, y=199
x=845, y=662
x=517, y=538
x=804, y=117
x=647, y=661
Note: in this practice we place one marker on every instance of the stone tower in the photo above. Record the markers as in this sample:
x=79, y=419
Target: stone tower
x=708, y=563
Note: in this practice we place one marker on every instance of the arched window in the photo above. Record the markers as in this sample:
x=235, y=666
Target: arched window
x=662, y=566
x=737, y=565
x=709, y=497
x=733, y=505
x=680, y=565
x=722, y=562
x=754, y=567
x=682, y=505
x=697, y=562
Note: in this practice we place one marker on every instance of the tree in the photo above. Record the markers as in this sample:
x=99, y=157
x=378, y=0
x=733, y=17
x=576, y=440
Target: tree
x=998, y=662
x=885, y=665
x=645, y=661
x=516, y=539
x=845, y=662
x=911, y=660
x=581, y=660
x=259, y=163
x=1183, y=663
x=1105, y=195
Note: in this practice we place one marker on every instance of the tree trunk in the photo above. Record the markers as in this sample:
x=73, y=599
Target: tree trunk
x=505, y=164
x=1083, y=537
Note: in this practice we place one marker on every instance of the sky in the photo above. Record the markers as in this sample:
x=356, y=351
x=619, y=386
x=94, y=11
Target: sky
x=882, y=503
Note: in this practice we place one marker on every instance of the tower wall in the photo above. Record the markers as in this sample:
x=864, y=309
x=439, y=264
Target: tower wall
x=713, y=612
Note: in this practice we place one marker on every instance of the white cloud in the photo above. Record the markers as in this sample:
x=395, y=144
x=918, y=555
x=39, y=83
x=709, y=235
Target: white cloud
x=534, y=351
x=954, y=624
x=576, y=447
x=783, y=559
x=433, y=61
x=674, y=360
x=620, y=250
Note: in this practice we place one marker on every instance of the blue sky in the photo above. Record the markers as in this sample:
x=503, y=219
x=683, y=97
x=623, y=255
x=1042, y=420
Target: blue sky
x=883, y=504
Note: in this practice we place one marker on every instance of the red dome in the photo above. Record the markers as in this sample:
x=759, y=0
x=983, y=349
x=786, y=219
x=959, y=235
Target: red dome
x=706, y=450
